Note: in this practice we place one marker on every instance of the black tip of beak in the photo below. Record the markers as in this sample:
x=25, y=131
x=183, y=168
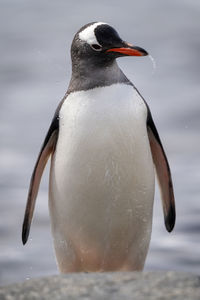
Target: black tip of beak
x=140, y=50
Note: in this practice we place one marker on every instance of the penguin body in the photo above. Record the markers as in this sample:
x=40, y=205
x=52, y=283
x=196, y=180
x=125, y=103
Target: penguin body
x=109, y=196
x=104, y=146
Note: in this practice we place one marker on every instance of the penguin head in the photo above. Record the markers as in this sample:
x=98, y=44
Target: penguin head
x=99, y=42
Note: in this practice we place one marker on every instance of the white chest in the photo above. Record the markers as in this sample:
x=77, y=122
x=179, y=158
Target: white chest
x=100, y=127
x=102, y=115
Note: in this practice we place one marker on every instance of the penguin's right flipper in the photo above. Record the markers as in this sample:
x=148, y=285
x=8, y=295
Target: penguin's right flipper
x=47, y=149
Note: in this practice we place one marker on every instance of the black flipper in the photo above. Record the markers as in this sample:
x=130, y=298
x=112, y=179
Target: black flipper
x=163, y=174
x=47, y=149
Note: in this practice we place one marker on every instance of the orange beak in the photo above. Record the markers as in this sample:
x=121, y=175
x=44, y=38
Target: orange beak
x=129, y=50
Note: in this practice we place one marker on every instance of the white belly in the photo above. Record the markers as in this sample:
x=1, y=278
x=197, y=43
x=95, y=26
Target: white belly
x=102, y=181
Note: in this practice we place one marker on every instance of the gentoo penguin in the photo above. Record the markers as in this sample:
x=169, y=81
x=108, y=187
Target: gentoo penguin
x=104, y=146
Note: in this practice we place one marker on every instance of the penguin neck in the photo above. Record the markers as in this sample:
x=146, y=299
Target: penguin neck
x=88, y=75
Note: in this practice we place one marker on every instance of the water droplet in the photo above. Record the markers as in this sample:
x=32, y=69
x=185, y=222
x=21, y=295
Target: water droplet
x=153, y=63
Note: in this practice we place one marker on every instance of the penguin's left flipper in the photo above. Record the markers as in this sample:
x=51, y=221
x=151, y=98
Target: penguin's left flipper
x=47, y=149
x=163, y=174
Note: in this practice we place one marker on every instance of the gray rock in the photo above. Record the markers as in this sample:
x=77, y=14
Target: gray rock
x=108, y=286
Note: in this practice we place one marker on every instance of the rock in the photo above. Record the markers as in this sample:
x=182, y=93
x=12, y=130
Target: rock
x=108, y=286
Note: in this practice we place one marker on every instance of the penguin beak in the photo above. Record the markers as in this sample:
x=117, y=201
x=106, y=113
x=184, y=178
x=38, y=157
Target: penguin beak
x=129, y=50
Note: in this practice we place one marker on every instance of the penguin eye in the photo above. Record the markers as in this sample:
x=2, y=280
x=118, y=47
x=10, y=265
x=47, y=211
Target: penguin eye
x=96, y=47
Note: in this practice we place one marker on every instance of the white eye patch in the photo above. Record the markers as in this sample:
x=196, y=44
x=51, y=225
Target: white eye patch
x=88, y=35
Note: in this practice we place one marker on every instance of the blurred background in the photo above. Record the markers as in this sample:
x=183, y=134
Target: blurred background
x=35, y=68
